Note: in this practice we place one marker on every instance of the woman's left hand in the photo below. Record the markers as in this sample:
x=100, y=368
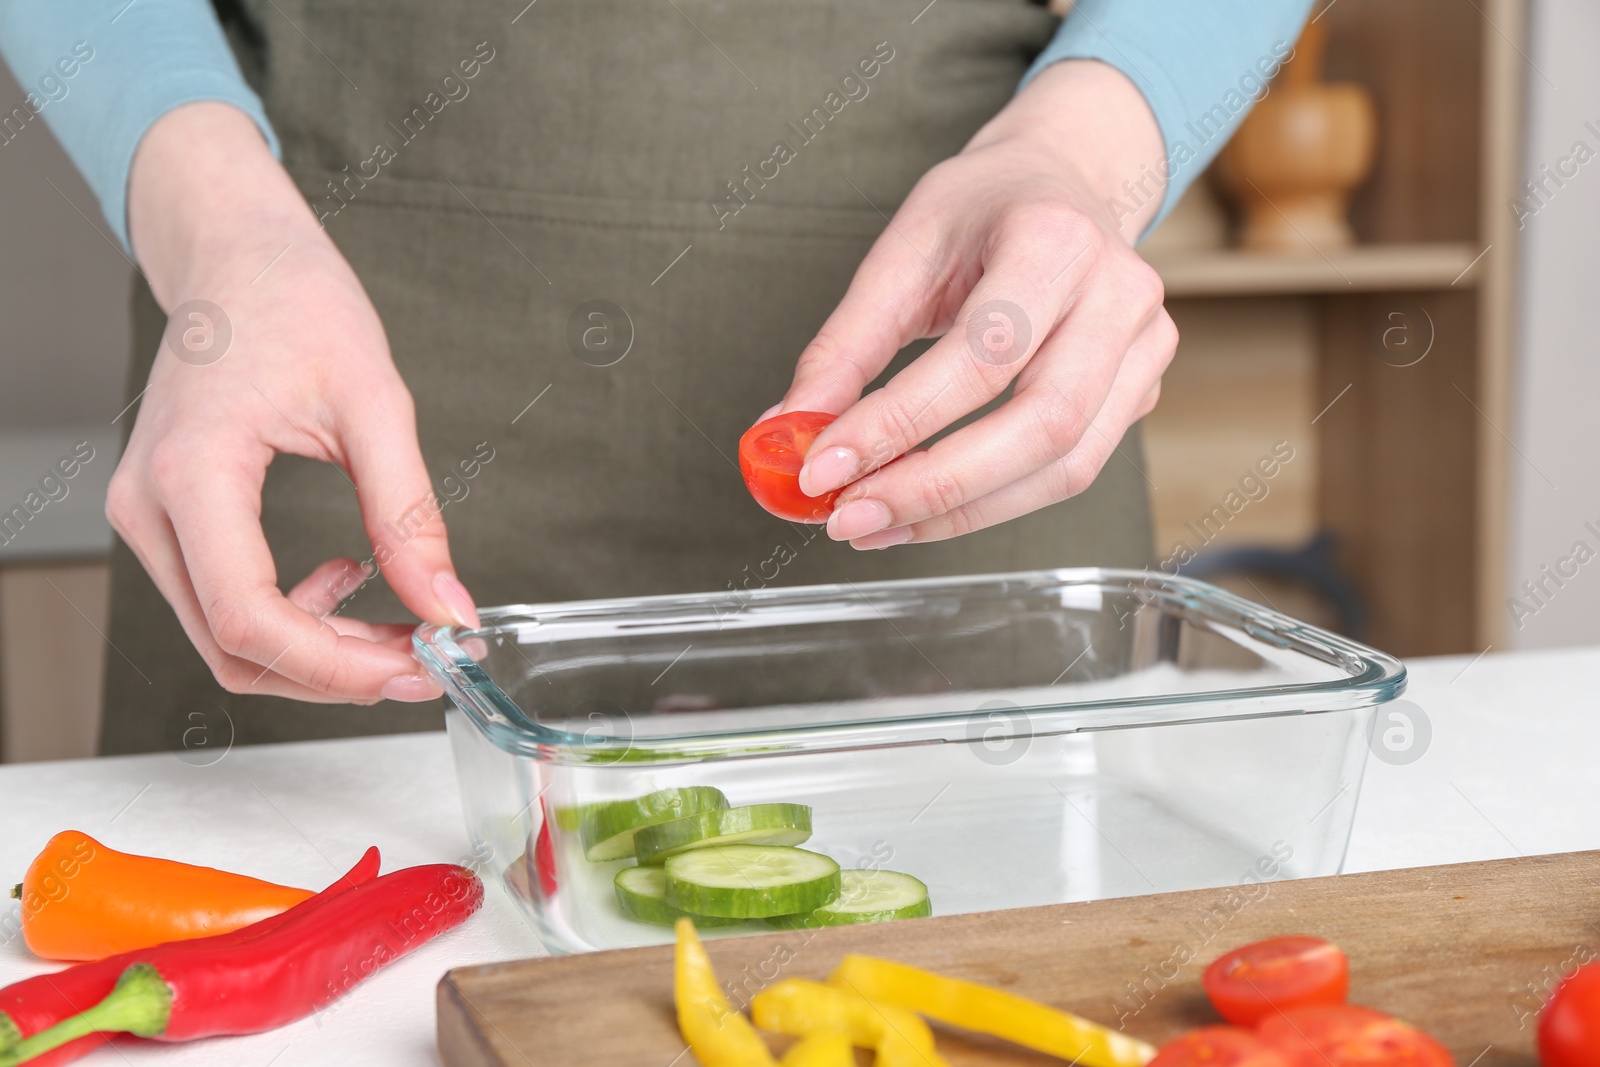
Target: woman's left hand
x=1015, y=252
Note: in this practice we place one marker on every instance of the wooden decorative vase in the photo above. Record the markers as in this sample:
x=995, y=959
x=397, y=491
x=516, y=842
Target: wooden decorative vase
x=1299, y=155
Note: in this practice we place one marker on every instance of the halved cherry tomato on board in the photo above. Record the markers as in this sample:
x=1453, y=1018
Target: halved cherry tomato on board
x=771, y=454
x=1259, y=979
x=1344, y=1035
x=1219, y=1046
x=1569, y=1025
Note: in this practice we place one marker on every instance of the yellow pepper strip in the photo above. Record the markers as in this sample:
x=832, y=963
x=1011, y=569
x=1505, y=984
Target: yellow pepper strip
x=796, y=1006
x=831, y=1049
x=717, y=1035
x=990, y=1011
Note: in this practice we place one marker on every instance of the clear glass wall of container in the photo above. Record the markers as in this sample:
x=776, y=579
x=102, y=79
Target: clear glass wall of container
x=1009, y=739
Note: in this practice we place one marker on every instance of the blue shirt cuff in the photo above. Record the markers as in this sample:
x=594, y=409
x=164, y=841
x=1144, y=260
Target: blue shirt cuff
x=101, y=72
x=134, y=116
x=1201, y=65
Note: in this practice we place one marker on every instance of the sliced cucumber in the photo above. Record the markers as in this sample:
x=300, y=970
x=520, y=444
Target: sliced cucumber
x=570, y=818
x=750, y=881
x=865, y=897
x=754, y=824
x=642, y=894
x=608, y=829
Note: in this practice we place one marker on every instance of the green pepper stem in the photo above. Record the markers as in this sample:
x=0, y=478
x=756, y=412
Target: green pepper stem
x=141, y=1004
x=10, y=1032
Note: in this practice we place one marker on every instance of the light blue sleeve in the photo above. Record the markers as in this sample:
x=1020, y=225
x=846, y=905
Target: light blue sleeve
x=1201, y=64
x=100, y=72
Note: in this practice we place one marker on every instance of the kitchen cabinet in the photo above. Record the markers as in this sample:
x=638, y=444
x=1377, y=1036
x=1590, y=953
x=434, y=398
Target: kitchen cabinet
x=52, y=658
x=54, y=588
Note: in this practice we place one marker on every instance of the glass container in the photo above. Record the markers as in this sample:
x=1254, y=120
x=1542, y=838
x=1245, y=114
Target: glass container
x=1010, y=740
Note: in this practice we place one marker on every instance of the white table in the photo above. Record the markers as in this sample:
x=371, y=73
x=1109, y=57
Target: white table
x=1509, y=770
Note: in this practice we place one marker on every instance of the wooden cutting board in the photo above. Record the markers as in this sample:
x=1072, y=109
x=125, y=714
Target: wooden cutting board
x=1465, y=951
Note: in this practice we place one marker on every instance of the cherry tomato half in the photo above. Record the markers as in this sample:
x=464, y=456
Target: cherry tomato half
x=1569, y=1025
x=770, y=456
x=1219, y=1046
x=544, y=855
x=1344, y=1035
x=1260, y=979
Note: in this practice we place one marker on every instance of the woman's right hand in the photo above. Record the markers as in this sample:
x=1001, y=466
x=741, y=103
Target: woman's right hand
x=213, y=217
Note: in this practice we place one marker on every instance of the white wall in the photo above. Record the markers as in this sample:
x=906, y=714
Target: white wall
x=63, y=289
x=1555, y=482
x=64, y=296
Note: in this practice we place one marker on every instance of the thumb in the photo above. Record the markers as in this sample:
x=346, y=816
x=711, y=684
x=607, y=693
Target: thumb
x=403, y=517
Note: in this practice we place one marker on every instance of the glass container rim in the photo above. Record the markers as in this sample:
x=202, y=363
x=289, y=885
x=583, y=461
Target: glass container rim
x=1371, y=677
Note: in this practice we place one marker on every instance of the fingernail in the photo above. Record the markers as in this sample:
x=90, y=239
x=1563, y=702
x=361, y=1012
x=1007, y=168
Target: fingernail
x=828, y=469
x=773, y=410
x=857, y=519
x=455, y=600
x=884, y=539
x=410, y=687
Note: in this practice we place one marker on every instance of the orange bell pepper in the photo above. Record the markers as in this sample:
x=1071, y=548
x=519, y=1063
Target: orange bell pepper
x=84, y=901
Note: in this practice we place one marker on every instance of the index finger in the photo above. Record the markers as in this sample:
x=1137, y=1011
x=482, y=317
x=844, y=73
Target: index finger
x=215, y=512
x=889, y=303
x=1025, y=287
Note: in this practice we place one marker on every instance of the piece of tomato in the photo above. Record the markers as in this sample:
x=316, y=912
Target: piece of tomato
x=1344, y=1035
x=1255, y=980
x=544, y=855
x=1569, y=1025
x=770, y=456
x=1219, y=1046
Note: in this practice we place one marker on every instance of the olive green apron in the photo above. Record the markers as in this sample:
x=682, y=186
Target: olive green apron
x=599, y=233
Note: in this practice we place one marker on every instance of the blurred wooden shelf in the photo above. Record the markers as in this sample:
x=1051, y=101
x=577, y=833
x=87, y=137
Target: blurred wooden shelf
x=1363, y=269
x=1386, y=367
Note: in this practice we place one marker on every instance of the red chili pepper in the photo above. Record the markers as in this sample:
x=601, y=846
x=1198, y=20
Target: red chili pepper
x=38, y=1003
x=192, y=989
